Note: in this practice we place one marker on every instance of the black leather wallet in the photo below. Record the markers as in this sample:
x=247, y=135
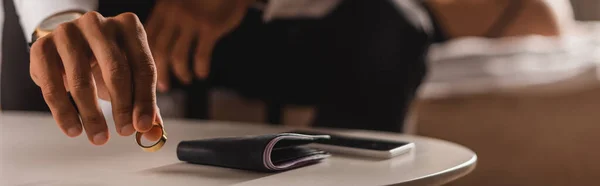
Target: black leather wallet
x=265, y=153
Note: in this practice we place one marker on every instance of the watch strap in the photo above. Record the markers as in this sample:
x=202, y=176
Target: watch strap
x=38, y=32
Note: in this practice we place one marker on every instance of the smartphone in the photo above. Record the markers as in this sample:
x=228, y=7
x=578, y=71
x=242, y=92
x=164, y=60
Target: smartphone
x=374, y=148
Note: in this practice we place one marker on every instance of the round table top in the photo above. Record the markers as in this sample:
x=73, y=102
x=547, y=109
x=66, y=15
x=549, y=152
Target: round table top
x=33, y=151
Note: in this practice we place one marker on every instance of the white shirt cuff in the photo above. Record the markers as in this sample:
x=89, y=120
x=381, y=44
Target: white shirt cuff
x=33, y=12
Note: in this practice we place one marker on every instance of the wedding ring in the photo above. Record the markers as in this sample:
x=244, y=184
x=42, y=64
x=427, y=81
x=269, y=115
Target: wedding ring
x=156, y=146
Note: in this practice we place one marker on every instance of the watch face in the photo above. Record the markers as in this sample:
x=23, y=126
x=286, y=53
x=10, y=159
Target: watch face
x=52, y=22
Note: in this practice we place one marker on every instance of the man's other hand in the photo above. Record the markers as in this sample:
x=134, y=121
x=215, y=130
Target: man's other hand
x=174, y=25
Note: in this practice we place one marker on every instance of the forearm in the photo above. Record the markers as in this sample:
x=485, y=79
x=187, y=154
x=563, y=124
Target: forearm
x=33, y=12
x=464, y=18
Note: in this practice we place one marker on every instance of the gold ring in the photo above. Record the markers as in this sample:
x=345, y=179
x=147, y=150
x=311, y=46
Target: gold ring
x=156, y=146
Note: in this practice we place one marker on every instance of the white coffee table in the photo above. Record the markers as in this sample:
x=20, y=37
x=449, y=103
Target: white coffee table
x=33, y=151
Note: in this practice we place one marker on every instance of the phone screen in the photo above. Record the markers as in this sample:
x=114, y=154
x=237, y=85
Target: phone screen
x=355, y=142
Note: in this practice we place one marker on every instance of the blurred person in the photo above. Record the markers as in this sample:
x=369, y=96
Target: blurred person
x=359, y=62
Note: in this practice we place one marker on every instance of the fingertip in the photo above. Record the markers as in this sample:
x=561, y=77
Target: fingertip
x=127, y=130
x=154, y=134
x=74, y=132
x=100, y=138
x=162, y=87
x=144, y=123
x=201, y=72
x=186, y=80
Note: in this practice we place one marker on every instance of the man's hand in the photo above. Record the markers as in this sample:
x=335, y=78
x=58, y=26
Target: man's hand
x=97, y=56
x=175, y=24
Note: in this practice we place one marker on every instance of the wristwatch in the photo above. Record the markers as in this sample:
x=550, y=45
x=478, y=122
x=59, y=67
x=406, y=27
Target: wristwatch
x=50, y=23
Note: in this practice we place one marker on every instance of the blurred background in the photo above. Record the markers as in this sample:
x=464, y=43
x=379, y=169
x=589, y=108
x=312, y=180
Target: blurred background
x=586, y=9
x=528, y=106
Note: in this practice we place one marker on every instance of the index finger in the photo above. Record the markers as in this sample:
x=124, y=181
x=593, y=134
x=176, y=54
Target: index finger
x=46, y=73
x=202, y=58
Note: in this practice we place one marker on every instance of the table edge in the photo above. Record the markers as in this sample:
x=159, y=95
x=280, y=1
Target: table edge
x=445, y=176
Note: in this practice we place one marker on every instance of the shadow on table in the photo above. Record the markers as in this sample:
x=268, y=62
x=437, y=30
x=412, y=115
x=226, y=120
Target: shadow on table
x=195, y=171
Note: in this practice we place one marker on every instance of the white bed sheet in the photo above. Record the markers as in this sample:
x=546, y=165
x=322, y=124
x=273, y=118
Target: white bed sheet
x=478, y=65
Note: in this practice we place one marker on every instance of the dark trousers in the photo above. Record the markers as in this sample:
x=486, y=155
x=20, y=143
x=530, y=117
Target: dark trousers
x=360, y=65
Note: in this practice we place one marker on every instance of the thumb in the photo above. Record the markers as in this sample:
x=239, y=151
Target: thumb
x=155, y=133
x=203, y=55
